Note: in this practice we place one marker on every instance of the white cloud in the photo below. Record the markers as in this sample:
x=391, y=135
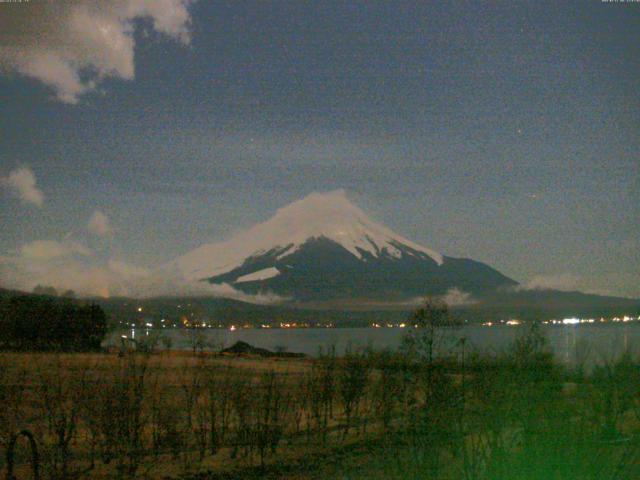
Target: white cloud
x=167, y=281
x=454, y=297
x=22, y=182
x=457, y=298
x=227, y=291
x=564, y=281
x=49, y=249
x=72, y=45
x=68, y=265
x=99, y=224
x=128, y=271
x=74, y=274
x=158, y=283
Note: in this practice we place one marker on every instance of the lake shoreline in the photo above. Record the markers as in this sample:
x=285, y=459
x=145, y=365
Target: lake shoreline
x=570, y=344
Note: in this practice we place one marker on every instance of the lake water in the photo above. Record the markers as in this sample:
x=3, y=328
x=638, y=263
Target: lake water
x=592, y=343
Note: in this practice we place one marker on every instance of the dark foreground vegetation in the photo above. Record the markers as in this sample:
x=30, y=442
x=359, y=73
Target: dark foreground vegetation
x=386, y=415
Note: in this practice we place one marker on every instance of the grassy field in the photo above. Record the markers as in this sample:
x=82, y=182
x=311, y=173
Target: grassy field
x=365, y=415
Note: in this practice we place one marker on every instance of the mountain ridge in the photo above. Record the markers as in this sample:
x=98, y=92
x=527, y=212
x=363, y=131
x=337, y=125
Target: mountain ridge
x=323, y=247
x=329, y=215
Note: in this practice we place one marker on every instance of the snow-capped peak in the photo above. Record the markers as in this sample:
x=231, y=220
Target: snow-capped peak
x=320, y=215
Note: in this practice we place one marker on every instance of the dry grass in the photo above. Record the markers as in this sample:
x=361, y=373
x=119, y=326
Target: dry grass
x=179, y=391
x=179, y=415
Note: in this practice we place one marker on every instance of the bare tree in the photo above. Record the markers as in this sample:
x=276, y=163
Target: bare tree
x=353, y=376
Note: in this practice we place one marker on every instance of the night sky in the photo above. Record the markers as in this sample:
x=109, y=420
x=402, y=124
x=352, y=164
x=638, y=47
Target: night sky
x=506, y=132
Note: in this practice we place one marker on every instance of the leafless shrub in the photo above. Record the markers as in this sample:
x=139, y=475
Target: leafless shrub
x=192, y=413
x=300, y=402
x=166, y=435
x=615, y=391
x=353, y=375
x=260, y=409
x=115, y=414
x=390, y=389
x=60, y=393
x=271, y=415
x=218, y=405
x=241, y=402
x=320, y=390
x=13, y=397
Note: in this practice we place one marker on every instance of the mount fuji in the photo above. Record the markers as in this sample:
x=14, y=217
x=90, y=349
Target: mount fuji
x=325, y=248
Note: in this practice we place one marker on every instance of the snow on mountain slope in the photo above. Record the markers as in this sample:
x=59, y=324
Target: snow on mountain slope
x=319, y=215
x=259, y=275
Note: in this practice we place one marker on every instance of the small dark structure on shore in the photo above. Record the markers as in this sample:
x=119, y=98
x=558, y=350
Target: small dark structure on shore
x=243, y=348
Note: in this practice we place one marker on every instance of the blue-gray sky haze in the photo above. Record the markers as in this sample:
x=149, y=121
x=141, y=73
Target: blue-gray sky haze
x=507, y=132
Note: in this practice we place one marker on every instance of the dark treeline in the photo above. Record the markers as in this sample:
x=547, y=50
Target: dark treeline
x=44, y=323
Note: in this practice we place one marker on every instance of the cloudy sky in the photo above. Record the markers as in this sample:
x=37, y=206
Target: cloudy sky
x=132, y=131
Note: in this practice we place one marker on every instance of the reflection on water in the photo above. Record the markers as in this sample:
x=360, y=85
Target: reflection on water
x=598, y=344
x=572, y=344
